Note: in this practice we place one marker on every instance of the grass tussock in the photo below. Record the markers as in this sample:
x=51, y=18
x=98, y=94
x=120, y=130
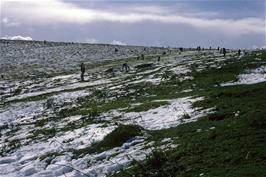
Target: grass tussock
x=116, y=138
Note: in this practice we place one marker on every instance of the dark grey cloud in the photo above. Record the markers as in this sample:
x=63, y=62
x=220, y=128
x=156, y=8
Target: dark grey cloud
x=173, y=23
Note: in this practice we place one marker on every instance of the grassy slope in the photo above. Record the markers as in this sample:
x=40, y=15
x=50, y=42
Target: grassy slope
x=235, y=147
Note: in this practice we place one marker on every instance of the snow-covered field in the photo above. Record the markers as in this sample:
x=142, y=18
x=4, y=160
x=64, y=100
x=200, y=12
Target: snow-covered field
x=36, y=140
x=36, y=59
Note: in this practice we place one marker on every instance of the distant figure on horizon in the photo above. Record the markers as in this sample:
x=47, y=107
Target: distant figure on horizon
x=82, y=69
x=239, y=52
x=218, y=48
x=224, y=51
x=159, y=58
x=198, y=48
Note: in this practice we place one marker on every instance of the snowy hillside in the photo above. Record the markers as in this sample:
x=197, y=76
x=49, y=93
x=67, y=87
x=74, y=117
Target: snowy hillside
x=33, y=58
x=54, y=125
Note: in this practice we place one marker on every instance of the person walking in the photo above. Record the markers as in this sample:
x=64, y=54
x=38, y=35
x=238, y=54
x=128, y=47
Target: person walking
x=126, y=67
x=224, y=51
x=82, y=69
x=239, y=52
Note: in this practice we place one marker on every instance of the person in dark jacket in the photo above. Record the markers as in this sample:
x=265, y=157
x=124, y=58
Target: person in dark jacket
x=239, y=52
x=82, y=69
x=224, y=51
x=159, y=58
x=125, y=67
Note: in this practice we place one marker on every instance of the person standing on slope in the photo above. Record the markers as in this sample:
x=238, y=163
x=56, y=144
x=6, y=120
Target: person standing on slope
x=239, y=52
x=126, y=67
x=224, y=51
x=82, y=69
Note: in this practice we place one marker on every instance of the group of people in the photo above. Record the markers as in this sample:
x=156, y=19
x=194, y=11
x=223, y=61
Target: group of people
x=125, y=67
x=223, y=50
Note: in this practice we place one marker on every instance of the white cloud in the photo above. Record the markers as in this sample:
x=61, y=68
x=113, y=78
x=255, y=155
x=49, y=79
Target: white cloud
x=6, y=22
x=165, y=10
x=91, y=41
x=201, y=14
x=115, y=42
x=151, y=9
x=17, y=38
x=56, y=11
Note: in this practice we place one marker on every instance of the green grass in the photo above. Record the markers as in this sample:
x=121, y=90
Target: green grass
x=94, y=108
x=230, y=142
x=100, y=102
x=221, y=152
x=232, y=68
x=10, y=147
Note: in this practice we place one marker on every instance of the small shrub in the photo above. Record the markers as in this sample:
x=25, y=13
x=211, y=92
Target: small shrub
x=17, y=91
x=217, y=116
x=157, y=159
x=186, y=116
x=120, y=135
x=94, y=113
x=258, y=120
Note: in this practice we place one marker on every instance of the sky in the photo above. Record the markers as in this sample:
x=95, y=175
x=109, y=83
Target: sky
x=175, y=23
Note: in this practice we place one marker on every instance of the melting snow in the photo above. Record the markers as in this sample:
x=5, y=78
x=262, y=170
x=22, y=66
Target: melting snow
x=21, y=111
x=25, y=160
x=165, y=116
x=60, y=89
x=251, y=77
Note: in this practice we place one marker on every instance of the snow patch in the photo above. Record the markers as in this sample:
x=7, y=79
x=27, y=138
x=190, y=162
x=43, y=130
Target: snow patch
x=60, y=89
x=251, y=77
x=165, y=116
